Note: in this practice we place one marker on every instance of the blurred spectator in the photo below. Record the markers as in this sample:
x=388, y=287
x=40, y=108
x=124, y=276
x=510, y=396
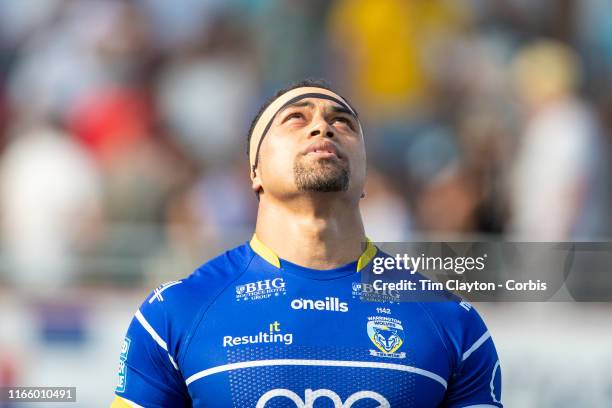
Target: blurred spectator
x=204, y=94
x=292, y=42
x=49, y=194
x=76, y=51
x=19, y=19
x=594, y=36
x=441, y=192
x=142, y=178
x=110, y=121
x=447, y=205
x=486, y=137
x=381, y=48
x=384, y=210
x=217, y=210
x=181, y=22
x=559, y=182
x=8, y=372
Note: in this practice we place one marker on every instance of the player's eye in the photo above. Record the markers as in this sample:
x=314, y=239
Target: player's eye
x=294, y=115
x=343, y=120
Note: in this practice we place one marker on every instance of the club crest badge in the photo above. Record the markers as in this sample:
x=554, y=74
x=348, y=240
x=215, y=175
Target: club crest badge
x=387, y=334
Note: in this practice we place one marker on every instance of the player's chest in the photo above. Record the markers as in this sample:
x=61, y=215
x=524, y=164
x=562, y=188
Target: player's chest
x=272, y=341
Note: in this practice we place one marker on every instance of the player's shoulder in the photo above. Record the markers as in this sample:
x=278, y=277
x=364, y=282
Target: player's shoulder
x=219, y=270
x=203, y=284
x=179, y=302
x=172, y=310
x=454, y=314
x=458, y=323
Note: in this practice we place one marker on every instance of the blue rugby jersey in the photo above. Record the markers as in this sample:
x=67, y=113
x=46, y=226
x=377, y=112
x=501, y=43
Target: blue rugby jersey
x=248, y=329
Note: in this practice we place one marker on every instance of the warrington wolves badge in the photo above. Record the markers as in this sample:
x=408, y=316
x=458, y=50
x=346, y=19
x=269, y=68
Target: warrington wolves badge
x=387, y=334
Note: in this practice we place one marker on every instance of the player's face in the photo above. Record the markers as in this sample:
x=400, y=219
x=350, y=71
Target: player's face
x=314, y=145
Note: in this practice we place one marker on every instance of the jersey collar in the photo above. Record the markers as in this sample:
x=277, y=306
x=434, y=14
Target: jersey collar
x=269, y=256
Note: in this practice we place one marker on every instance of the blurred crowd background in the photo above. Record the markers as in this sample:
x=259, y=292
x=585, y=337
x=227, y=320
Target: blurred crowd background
x=123, y=137
x=123, y=123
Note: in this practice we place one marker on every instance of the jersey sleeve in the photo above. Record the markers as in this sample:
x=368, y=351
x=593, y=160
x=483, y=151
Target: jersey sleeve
x=148, y=374
x=476, y=380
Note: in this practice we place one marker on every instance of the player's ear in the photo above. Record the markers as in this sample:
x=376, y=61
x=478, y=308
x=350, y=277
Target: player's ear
x=256, y=184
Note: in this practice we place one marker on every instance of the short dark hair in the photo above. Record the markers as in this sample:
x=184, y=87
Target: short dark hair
x=318, y=83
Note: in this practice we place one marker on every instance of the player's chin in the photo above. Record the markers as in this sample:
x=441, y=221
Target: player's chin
x=319, y=167
x=322, y=162
x=328, y=171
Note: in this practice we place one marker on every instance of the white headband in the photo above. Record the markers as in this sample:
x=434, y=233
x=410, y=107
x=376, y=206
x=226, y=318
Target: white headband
x=265, y=120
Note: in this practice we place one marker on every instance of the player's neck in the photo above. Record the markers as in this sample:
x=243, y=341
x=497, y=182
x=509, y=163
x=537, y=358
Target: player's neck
x=316, y=234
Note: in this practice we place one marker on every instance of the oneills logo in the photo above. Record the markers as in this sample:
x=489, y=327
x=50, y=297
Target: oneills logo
x=330, y=304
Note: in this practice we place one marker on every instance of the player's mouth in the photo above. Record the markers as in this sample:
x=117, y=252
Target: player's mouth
x=323, y=149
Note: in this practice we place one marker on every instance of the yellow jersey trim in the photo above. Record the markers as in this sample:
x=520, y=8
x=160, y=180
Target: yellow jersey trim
x=119, y=402
x=367, y=255
x=266, y=253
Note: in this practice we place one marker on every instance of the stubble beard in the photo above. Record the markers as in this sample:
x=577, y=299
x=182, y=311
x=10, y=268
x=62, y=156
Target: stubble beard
x=322, y=175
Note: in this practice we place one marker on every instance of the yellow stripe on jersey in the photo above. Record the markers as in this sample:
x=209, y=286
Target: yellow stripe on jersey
x=119, y=402
x=262, y=250
x=266, y=253
x=367, y=255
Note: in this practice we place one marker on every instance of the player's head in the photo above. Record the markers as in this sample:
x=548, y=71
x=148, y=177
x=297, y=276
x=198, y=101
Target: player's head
x=307, y=139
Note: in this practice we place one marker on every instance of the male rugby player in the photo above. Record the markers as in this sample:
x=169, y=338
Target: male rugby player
x=278, y=321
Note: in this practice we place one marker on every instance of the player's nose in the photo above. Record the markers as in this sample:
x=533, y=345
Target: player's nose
x=321, y=127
